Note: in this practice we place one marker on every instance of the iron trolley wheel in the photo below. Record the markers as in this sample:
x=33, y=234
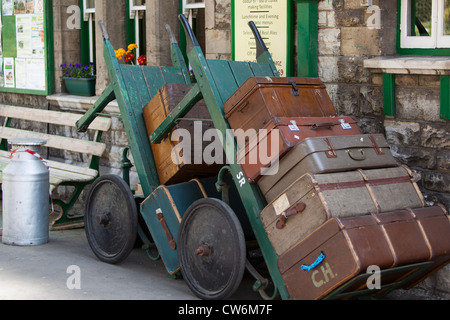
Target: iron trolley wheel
x=111, y=219
x=211, y=249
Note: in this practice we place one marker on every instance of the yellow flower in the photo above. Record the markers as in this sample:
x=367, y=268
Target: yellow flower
x=120, y=53
x=131, y=47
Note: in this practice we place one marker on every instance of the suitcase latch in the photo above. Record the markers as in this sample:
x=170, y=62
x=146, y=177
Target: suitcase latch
x=295, y=92
x=331, y=153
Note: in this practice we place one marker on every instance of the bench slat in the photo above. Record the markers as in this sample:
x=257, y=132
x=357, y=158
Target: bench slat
x=58, y=142
x=53, y=117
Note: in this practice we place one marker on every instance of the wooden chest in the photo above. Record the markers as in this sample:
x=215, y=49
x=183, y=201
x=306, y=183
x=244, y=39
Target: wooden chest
x=174, y=163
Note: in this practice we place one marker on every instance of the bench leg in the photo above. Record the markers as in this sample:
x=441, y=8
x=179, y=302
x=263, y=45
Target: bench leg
x=66, y=221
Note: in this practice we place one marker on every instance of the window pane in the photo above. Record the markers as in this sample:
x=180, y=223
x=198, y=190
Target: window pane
x=194, y=1
x=421, y=16
x=447, y=18
x=90, y=4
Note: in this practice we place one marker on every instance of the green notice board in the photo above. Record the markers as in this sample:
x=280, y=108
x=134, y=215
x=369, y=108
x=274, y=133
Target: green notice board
x=26, y=52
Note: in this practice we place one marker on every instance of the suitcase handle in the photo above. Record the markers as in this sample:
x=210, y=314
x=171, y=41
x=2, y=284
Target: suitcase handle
x=299, y=208
x=163, y=223
x=315, y=264
x=322, y=125
x=358, y=155
x=244, y=105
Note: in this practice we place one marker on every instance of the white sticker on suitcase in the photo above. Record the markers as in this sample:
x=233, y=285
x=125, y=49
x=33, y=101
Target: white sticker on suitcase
x=281, y=204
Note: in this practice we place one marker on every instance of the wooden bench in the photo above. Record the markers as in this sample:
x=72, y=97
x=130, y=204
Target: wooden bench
x=61, y=174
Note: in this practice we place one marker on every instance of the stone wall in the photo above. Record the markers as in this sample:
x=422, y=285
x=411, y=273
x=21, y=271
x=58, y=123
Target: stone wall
x=350, y=34
x=218, y=29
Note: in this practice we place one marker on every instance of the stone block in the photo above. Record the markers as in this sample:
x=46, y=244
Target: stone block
x=329, y=42
x=371, y=100
x=443, y=160
x=350, y=18
x=347, y=100
x=418, y=104
x=351, y=70
x=218, y=41
x=328, y=68
x=360, y=41
x=402, y=132
x=435, y=135
x=415, y=156
x=436, y=181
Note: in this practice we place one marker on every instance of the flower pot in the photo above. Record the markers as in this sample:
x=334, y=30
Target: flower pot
x=80, y=86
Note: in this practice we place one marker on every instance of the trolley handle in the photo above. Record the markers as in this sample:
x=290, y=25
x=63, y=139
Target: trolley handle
x=192, y=40
x=105, y=33
x=260, y=45
x=173, y=40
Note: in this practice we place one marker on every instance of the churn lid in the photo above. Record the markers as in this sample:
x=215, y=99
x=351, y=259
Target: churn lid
x=26, y=142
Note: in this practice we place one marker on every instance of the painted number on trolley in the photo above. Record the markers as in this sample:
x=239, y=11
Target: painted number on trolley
x=240, y=176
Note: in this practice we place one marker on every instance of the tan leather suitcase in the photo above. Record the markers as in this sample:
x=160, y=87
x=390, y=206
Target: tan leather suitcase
x=343, y=248
x=260, y=99
x=170, y=171
x=325, y=155
x=282, y=134
x=313, y=199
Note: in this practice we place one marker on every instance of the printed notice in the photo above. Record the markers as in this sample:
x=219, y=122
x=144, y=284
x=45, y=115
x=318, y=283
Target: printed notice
x=271, y=19
x=29, y=73
x=8, y=72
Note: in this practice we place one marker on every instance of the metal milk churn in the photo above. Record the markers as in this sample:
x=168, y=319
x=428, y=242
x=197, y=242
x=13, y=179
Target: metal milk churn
x=25, y=195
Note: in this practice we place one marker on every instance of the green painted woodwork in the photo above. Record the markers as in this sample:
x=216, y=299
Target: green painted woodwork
x=389, y=94
x=307, y=38
x=445, y=98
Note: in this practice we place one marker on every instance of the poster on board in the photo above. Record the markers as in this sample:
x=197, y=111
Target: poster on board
x=2, y=79
x=8, y=72
x=7, y=7
x=272, y=18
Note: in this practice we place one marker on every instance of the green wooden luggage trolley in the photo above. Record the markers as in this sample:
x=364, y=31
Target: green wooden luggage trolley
x=201, y=232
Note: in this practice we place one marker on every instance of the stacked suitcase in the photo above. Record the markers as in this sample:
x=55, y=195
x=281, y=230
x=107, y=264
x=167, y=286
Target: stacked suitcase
x=338, y=202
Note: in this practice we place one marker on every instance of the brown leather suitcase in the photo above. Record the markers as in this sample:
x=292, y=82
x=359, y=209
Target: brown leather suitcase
x=313, y=199
x=260, y=99
x=282, y=134
x=342, y=249
x=325, y=155
x=330, y=257
x=170, y=171
x=435, y=224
